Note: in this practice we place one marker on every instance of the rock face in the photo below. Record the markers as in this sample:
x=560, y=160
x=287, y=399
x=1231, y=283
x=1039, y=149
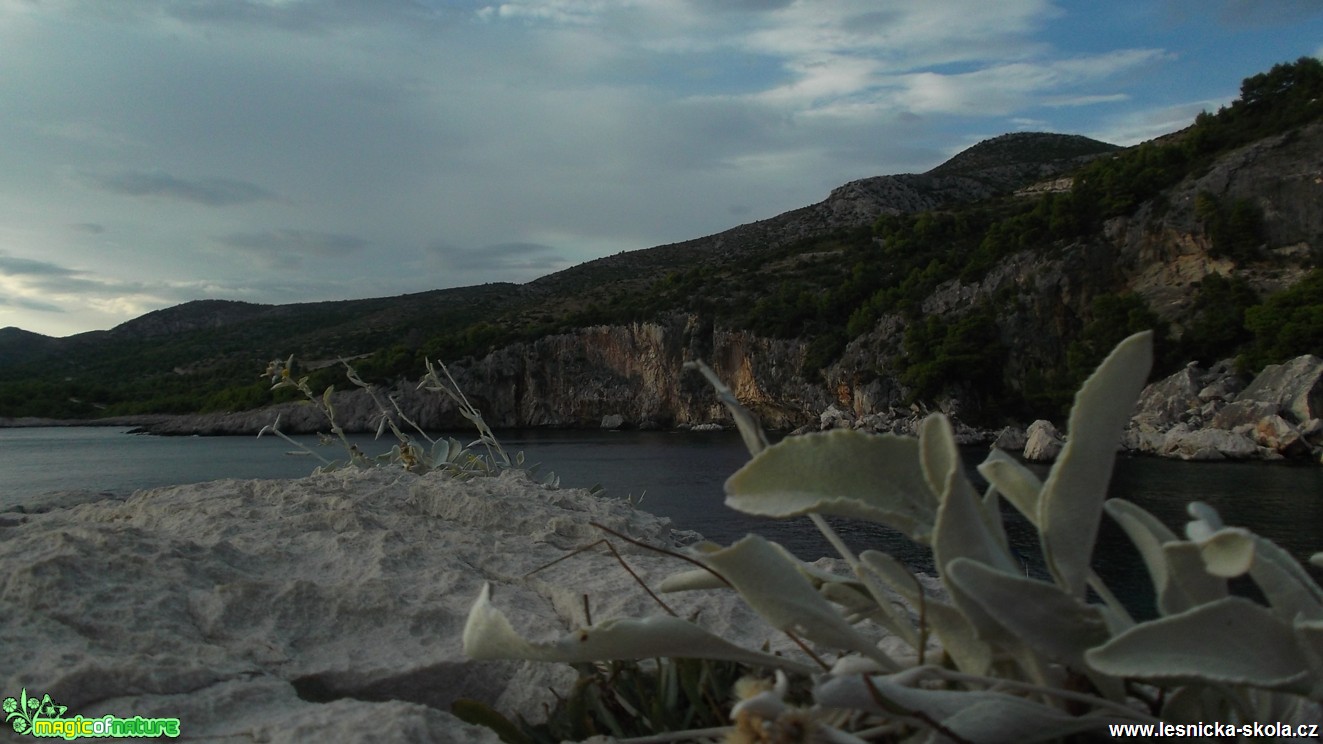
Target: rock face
x=1196, y=414
x=576, y=380
x=328, y=607
x=1296, y=388
x=1043, y=442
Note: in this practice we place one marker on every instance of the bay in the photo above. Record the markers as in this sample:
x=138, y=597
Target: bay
x=678, y=475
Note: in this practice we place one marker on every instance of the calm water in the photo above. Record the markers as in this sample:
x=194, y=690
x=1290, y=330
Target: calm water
x=679, y=475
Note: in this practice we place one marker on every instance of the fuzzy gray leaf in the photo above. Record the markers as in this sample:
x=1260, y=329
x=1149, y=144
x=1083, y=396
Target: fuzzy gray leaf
x=1014, y=481
x=1072, y=497
x=1230, y=641
x=773, y=586
x=845, y=473
x=1048, y=620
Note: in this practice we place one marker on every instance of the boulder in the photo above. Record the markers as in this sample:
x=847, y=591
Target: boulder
x=1043, y=442
x=613, y=421
x=327, y=607
x=967, y=435
x=1221, y=382
x=1143, y=439
x=873, y=423
x=835, y=418
x=1312, y=430
x=1167, y=402
x=1242, y=412
x=1208, y=444
x=1277, y=434
x=1296, y=388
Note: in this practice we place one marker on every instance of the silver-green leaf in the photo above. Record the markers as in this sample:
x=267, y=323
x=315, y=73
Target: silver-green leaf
x=845, y=473
x=488, y=636
x=1071, y=503
x=1229, y=641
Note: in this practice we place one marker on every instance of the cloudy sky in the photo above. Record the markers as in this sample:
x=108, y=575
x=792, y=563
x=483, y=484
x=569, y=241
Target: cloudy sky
x=158, y=151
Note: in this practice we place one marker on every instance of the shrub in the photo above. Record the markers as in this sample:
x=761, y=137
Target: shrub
x=1286, y=324
x=1021, y=658
x=484, y=456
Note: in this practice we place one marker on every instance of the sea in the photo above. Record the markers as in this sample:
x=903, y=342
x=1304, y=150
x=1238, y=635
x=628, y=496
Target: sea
x=679, y=475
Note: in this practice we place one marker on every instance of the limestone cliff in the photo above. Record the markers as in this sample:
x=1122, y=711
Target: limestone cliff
x=634, y=370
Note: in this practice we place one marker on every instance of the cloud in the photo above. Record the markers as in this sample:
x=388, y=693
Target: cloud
x=501, y=257
x=1139, y=126
x=27, y=303
x=211, y=192
x=288, y=249
x=16, y=266
x=73, y=295
x=532, y=134
x=1004, y=89
x=28, y=278
x=297, y=16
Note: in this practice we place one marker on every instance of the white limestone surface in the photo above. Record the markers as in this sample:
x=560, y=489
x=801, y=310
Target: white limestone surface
x=329, y=606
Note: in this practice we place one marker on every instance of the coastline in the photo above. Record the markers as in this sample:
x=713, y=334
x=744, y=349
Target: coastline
x=1195, y=414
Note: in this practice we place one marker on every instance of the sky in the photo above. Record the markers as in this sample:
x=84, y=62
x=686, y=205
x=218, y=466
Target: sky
x=154, y=152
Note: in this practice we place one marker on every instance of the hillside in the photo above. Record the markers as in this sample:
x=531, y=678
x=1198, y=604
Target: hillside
x=941, y=288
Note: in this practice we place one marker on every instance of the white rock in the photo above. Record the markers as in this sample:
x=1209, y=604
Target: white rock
x=835, y=418
x=1296, y=387
x=1043, y=442
x=1277, y=434
x=285, y=610
x=1208, y=444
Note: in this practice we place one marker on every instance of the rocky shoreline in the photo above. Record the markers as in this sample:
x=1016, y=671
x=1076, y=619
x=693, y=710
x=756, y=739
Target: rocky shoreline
x=1196, y=414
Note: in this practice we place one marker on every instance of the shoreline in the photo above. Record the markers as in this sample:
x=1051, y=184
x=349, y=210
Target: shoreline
x=1139, y=441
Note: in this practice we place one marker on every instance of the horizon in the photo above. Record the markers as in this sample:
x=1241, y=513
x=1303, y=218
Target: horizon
x=286, y=151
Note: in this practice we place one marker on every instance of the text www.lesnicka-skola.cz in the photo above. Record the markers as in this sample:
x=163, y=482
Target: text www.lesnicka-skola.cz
x=1301, y=730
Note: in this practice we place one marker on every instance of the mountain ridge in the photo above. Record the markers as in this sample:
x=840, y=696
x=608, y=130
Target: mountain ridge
x=855, y=202
x=958, y=287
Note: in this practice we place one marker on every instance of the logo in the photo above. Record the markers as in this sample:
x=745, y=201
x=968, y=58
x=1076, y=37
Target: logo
x=41, y=717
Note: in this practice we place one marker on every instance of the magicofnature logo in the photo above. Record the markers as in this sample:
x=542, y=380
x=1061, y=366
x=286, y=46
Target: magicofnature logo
x=42, y=717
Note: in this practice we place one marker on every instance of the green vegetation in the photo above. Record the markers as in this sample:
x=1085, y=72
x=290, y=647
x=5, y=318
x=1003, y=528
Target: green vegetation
x=1287, y=324
x=946, y=355
x=1217, y=320
x=1114, y=317
x=1016, y=658
x=1235, y=232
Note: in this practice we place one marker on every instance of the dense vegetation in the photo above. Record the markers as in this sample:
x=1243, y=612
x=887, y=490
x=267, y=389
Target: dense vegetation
x=828, y=289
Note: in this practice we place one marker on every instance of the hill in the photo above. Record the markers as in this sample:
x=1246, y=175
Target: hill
x=963, y=287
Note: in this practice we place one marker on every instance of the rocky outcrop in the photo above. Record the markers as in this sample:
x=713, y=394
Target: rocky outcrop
x=1195, y=414
x=1295, y=388
x=575, y=380
x=1043, y=442
x=329, y=607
